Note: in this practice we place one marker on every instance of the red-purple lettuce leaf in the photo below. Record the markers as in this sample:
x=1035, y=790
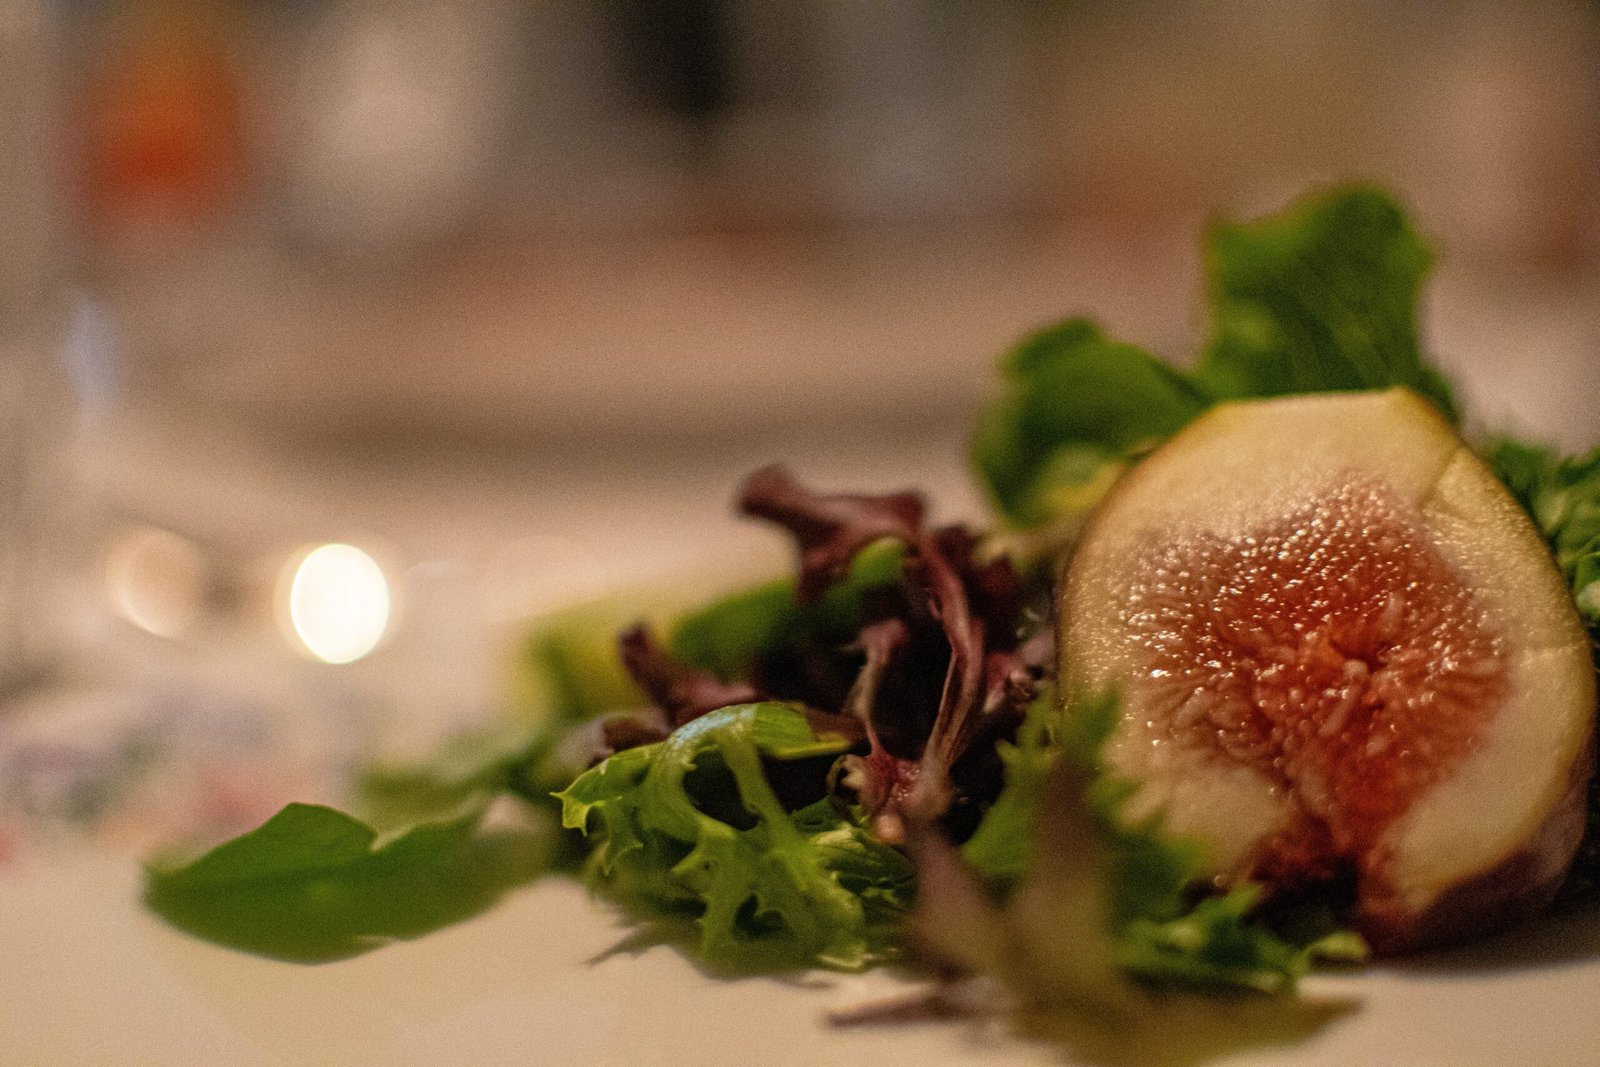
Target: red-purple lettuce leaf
x=968, y=611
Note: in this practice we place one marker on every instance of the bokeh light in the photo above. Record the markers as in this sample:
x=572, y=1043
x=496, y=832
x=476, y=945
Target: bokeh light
x=338, y=603
x=156, y=579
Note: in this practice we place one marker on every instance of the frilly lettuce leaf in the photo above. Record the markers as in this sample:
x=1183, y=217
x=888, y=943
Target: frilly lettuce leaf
x=1057, y=834
x=767, y=887
x=1319, y=297
x=1562, y=496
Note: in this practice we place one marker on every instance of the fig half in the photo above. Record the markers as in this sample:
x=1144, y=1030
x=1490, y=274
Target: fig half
x=1344, y=655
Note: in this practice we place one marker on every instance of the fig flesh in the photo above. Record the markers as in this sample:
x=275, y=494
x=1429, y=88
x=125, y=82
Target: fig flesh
x=1344, y=654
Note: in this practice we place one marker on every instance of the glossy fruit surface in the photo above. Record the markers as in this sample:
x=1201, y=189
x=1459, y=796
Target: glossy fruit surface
x=1344, y=653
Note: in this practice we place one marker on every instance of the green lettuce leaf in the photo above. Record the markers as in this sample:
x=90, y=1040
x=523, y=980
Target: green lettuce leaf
x=690, y=827
x=465, y=769
x=1074, y=403
x=1319, y=297
x=732, y=634
x=1562, y=496
x=1131, y=879
x=729, y=635
x=570, y=667
x=313, y=884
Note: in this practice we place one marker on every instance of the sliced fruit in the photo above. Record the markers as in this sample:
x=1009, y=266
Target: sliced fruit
x=1344, y=653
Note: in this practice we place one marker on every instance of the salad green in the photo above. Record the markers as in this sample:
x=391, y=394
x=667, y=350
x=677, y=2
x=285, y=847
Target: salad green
x=1150, y=928
x=314, y=884
x=1319, y=298
x=866, y=762
x=766, y=885
x=1562, y=494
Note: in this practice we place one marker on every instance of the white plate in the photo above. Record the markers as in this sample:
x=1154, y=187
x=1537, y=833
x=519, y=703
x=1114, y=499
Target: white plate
x=548, y=976
x=89, y=978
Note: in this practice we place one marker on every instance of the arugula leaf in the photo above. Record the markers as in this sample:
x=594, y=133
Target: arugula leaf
x=469, y=767
x=1319, y=297
x=766, y=887
x=1138, y=891
x=313, y=884
x=1074, y=403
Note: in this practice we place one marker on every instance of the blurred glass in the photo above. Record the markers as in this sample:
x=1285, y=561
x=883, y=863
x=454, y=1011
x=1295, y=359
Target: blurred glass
x=33, y=412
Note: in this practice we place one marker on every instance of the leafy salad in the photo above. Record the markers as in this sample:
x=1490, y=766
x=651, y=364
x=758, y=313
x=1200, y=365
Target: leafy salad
x=872, y=760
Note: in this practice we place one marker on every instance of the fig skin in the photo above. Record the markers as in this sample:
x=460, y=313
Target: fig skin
x=1480, y=851
x=1499, y=899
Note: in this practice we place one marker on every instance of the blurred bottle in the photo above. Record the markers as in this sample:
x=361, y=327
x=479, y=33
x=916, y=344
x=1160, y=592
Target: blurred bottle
x=160, y=115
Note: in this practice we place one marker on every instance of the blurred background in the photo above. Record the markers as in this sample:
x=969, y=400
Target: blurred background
x=509, y=293
x=345, y=344
x=579, y=225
